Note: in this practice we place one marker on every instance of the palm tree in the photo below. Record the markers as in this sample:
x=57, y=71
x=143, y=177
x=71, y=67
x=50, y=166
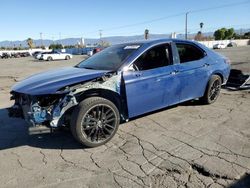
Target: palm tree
x=146, y=33
x=201, y=25
x=30, y=42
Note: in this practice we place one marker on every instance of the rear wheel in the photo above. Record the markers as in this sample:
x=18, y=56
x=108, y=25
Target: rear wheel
x=67, y=57
x=49, y=58
x=95, y=121
x=213, y=90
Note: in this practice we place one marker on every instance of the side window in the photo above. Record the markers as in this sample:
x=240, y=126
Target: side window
x=155, y=57
x=188, y=52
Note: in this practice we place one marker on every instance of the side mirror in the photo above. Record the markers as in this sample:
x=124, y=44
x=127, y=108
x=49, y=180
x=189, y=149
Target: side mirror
x=130, y=68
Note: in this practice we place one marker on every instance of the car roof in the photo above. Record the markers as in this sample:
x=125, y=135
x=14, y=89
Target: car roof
x=154, y=41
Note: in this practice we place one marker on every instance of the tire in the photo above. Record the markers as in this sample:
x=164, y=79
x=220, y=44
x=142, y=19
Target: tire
x=94, y=121
x=67, y=57
x=213, y=90
x=49, y=58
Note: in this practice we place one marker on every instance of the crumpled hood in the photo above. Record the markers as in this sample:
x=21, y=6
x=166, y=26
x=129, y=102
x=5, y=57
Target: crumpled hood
x=50, y=82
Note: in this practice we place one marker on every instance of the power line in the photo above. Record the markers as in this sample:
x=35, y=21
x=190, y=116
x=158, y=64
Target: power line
x=132, y=25
x=145, y=22
x=220, y=6
x=210, y=28
x=161, y=18
x=177, y=15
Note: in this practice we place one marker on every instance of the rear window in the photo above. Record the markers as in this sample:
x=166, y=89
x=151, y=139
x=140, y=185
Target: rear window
x=188, y=52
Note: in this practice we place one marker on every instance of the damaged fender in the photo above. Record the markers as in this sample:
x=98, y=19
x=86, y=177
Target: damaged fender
x=36, y=114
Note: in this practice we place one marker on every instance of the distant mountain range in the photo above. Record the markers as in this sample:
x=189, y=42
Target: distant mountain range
x=74, y=41
x=111, y=40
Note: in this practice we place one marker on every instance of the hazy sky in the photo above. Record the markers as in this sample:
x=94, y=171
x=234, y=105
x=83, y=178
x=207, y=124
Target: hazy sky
x=84, y=18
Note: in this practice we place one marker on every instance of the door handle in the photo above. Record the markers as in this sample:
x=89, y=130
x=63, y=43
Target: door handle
x=158, y=80
x=174, y=72
x=206, y=65
x=138, y=74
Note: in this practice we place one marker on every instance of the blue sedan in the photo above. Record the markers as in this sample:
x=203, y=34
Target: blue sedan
x=118, y=83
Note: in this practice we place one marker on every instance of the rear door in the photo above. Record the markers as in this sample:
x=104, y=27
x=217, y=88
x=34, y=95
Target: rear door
x=148, y=80
x=193, y=70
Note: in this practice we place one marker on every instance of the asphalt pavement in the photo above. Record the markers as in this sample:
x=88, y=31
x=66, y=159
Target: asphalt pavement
x=188, y=145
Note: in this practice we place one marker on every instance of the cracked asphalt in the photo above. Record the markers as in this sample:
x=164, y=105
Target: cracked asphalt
x=188, y=145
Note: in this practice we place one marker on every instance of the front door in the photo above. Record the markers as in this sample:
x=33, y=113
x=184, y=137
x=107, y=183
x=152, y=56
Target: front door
x=151, y=82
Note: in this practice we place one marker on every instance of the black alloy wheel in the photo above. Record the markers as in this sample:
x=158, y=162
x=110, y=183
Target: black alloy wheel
x=95, y=121
x=213, y=90
x=99, y=123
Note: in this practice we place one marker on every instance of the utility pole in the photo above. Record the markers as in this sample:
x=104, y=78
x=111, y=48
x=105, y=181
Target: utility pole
x=186, y=25
x=100, y=33
x=53, y=39
x=146, y=32
x=41, y=37
x=60, y=37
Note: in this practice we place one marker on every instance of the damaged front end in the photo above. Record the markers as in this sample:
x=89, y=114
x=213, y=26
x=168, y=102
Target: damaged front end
x=50, y=110
x=41, y=110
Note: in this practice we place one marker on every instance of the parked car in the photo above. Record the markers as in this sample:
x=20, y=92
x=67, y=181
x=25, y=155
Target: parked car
x=119, y=83
x=15, y=55
x=54, y=55
x=94, y=51
x=232, y=44
x=219, y=46
x=39, y=55
x=36, y=53
x=20, y=54
x=86, y=50
x=5, y=55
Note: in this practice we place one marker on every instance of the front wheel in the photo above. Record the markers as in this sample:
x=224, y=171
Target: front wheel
x=213, y=90
x=67, y=57
x=95, y=121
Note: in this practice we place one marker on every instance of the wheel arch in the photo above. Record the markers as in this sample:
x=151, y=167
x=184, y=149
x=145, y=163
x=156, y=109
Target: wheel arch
x=114, y=97
x=218, y=73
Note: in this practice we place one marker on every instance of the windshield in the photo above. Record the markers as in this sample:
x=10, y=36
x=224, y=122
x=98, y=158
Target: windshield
x=110, y=58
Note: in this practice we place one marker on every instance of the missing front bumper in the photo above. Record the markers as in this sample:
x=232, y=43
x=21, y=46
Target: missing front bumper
x=35, y=113
x=15, y=112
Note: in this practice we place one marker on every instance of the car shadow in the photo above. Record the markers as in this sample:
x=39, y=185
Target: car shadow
x=192, y=103
x=187, y=103
x=244, y=182
x=15, y=132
